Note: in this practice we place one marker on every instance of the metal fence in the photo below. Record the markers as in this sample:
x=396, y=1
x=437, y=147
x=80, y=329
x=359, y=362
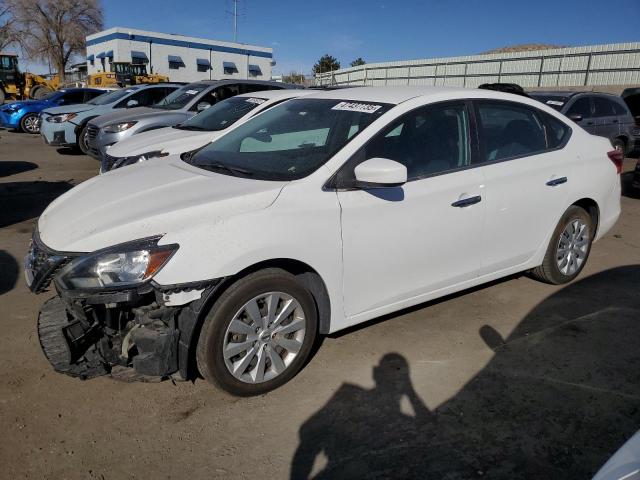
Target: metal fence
x=612, y=64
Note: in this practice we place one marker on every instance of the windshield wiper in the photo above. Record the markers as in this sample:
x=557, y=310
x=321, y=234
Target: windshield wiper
x=222, y=166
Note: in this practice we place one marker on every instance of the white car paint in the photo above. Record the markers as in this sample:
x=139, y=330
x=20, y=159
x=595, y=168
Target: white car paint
x=376, y=251
x=175, y=141
x=624, y=464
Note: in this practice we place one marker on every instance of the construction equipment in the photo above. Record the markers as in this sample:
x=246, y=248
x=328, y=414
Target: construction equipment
x=124, y=74
x=15, y=85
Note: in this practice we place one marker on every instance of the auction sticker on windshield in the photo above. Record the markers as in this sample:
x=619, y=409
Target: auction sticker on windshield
x=357, y=107
x=257, y=101
x=191, y=92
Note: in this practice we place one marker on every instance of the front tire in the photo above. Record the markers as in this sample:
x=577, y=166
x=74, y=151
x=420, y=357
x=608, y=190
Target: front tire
x=82, y=140
x=258, y=334
x=568, y=249
x=29, y=123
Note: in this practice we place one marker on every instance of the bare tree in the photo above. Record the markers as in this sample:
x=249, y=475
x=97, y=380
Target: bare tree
x=7, y=36
x=55, y=30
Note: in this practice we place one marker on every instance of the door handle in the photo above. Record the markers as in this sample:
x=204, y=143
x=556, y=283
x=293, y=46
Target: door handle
x=465, y=202
x=614, y=121
x=557, y=181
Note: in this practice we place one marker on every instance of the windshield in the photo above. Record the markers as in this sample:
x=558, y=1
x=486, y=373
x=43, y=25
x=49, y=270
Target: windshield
x=554, y=101
x=223, y=114
x=288, y=141
x=54, y=95
x=181, y=97
x=110, y=97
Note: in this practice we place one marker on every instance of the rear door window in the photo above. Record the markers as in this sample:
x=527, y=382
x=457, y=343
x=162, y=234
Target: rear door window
x=509, y=130
x=582, y=107
x=603, y=107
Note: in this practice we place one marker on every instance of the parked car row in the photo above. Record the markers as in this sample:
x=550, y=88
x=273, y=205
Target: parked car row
x=269, y=218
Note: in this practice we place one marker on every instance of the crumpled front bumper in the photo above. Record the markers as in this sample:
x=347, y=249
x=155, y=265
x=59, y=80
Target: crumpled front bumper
x=149, y=330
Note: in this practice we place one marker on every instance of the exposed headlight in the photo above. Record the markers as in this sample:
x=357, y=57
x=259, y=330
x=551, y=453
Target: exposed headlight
x=125, y=265
x=63, y=117
x=118, y=127
x=124, y=161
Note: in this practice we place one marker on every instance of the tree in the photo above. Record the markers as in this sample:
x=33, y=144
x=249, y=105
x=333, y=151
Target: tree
x=327, y=63
x=357, y=62
x=55, y=30
x=7, y=34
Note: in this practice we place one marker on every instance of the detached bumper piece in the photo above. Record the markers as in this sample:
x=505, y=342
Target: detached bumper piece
x=67, y=346
x=85, y=341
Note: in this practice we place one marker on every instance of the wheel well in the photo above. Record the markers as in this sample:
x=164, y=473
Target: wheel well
x=303, y=272
x=592, y=209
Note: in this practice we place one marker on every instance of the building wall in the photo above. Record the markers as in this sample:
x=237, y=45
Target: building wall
x=589, y=66
x=158, y=47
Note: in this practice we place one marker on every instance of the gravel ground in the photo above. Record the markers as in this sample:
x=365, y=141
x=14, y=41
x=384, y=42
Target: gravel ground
x=512, y=380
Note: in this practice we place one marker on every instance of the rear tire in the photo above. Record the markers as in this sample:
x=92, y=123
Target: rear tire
x=250, y=354
x=82, y=140
x=568, y=248
x=29, y=123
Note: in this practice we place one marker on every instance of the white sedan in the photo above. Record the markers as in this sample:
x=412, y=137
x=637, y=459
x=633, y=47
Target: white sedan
x=197, y=131
x=318, y=214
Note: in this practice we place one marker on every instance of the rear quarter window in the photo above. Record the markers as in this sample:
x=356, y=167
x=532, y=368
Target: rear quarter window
x=557, y=132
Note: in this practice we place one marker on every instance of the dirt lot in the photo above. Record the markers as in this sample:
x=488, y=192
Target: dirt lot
x=513, y=380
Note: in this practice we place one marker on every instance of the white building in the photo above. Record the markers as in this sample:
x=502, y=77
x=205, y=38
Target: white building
x=182, y=59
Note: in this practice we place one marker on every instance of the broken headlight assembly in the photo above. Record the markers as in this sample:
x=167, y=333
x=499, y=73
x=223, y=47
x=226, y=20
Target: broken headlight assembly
x=126, y=265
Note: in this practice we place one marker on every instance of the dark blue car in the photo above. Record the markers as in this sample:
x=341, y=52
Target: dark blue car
x=23, y=115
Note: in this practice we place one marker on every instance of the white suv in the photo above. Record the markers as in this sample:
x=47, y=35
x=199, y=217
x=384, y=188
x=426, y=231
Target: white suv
x=318, y=214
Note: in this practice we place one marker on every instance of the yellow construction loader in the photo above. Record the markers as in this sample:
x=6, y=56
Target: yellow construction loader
x=15, y=85
x=124, y=74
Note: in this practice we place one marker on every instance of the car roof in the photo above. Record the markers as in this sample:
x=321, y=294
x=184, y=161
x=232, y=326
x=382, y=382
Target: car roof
x=277, y=94
x=255, y=82
x=569, y=94
x=396, y=95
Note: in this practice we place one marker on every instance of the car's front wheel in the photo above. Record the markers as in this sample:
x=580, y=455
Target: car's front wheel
x=568, y=249
x=29, y=123
x=83, y=138
x=258, y=334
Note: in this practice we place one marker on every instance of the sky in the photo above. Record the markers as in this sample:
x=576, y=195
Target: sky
x=300, y=31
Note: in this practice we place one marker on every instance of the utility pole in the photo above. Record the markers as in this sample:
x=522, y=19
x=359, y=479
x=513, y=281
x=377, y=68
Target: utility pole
x=234, y=14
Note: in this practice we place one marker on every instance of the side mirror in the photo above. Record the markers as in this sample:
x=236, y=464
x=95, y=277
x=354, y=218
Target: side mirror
x=379, y=173
x=576, y=117
x=132, y=103
x=202, y=106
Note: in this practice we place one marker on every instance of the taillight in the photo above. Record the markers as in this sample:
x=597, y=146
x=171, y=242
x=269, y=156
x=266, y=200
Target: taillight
x=617, y=157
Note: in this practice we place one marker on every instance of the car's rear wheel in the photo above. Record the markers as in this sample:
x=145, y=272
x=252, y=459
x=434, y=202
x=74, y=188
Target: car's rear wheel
x=568, y=249
x=83, y=138
x=29, y=123
x=258, y=334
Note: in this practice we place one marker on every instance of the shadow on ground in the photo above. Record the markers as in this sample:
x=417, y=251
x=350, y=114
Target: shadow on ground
x=9, y=271
x=560, y=396
x=12, y=168
x=69, y=151
x=26, y=200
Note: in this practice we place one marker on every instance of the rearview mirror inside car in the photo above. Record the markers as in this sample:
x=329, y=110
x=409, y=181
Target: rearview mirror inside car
x=380, y=172
x=203, y=106
x=576, y=117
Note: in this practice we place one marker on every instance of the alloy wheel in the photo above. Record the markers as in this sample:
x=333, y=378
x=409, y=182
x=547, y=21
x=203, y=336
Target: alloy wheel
x=573, y=247
x=30, y=124
x=264, y=337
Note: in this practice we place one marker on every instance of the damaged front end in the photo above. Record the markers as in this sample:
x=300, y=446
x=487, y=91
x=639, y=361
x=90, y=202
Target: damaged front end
x=109, y=316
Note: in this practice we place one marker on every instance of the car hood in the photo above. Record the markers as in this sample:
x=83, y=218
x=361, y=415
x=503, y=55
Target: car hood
x=119, y=115
x=152, y=198
x=82, y=107
x=170, y=140
x=28, y=104
x=141, y=114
